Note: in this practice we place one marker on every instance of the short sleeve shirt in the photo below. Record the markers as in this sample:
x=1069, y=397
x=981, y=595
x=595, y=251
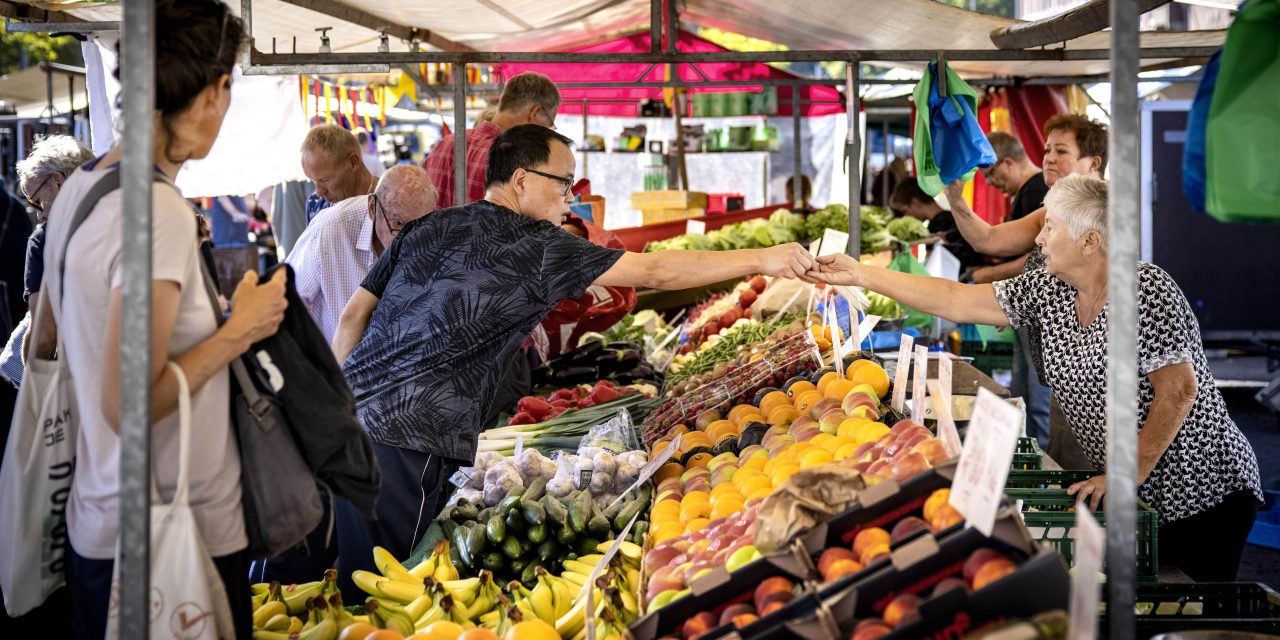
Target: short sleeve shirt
x=1029, y=198
x=33, y=275
x=459, y=291
x=439, y=163
x=1209, y=458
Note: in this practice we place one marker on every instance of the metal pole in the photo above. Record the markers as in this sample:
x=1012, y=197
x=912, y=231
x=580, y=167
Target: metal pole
x=673, y=27
x=655, y=26
x=459, y=135
x=138, y=78
x=584, y=140
x=71, y=105
x=677, y=101
x=1122, y=321
x=853, y=152
x=888, y=157
x=797, y=176
x=48, y=89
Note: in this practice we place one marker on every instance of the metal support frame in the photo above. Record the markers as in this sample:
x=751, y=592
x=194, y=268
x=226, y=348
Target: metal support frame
x=797, y=174
x=1123, y=214
x=459, y=135
x=655, y=26
x=138, y=78
x=853, y=153
x=369, y=21
x=59, y=27
x=1087, y=18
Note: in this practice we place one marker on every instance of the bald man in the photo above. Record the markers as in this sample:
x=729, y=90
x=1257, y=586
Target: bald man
x=335, y=253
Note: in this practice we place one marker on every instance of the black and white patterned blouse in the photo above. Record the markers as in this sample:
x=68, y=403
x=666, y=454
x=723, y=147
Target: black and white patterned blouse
x=1209, y=458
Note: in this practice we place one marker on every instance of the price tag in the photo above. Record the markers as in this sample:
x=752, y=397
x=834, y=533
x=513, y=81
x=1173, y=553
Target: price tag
x=984, y=462
x=900, y=376
x=1085, y=587
x=833, y=242
x=519, y=445
x=946, y=425
x=918, y=378
x=945, y=366
x=609, y=554
x=695, y=226
x=835, y=336
x=651, y=467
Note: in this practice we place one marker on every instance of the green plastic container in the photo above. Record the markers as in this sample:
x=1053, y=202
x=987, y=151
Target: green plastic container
x=1049, y=517
x=1027, y=456
x=1217, y=606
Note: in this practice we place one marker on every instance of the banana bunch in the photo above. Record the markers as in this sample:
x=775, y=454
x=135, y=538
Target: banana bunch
x=278, y=609
x=325, y=620
x=389, y=616
x=614, y=593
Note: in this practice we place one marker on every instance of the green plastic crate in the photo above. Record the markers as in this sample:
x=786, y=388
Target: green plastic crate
x=1045, y=478
x=1219, y=606
x=990, y=356
x=1027, y=456
x=1048, y=516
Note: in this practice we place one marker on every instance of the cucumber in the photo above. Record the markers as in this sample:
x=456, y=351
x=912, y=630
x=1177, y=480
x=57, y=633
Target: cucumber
x=494, y=561
x=533, y=513
x=640, y=528
x=530, y=573
x=547, y=550
x=515, y=522
x=464, y=511
x=517, y=566
x=512, y=547
x=598, y=525
x=557, y=515
x=624, y=516
x=476, y=540
x=448, y=526
x=612, y=510
x=537, y=534
x=580, y=512
x=506, y=504
x=485, y=514
x=587, y=546
x=495, y=529
x=462, y=542
x=565, y=535
x=535, y=490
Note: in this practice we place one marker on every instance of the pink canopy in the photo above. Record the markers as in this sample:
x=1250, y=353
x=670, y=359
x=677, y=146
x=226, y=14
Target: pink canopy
x=624, y=101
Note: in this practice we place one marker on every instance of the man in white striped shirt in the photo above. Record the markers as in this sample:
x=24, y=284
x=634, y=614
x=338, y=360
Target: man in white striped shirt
x=343, y=242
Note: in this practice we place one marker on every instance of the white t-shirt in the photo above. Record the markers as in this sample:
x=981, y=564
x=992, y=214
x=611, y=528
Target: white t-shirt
x=92, y=271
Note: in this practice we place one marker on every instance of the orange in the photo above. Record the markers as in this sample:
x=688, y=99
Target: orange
x=478, y=633
x=783, y=472
x=724, y=488
x=668, y=470
x=384, y=634
x=357, y=631
x=871, y=374
x=839, y=388
x=753, y=462
x=443, y=630
x=799, y=387
x=695, y=497
x=783, y=415
x=936, y=500
x=822, y=440
x=806, y=400
x=870, y=431
x=750, y=416
x=664, y=531
x=854, y=366
x=699, y=460
x=665, y=507
x=826, y=380
x=759, y=493
x=532, y=630
x=727, y=506
x=846, y=450
x=755, y=484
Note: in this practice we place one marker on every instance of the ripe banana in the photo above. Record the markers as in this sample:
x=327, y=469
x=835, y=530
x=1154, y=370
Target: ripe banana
x=296, y=596
x=445, y=571
x=295, y=625
x=562, y=591
x=326, y=630
x=390, y=567
x=386, y=617
x=401, y=592
x=428, y=566
x=578, y=566
x=542, y=598
x=278, y=622
x=574, y=578
x=268, y=611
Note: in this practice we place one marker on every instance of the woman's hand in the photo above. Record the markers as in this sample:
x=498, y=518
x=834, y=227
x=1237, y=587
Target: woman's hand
x=257, y=310
x=1094, y=490
x=837, y=269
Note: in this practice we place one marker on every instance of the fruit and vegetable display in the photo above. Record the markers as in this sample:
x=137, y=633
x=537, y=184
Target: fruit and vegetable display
x=884, y=306
x=646, y=328
x=565, y=429
x=875, y=236
x=717, y=316
x=534, y=409
x=593, y=360
x=779, y=228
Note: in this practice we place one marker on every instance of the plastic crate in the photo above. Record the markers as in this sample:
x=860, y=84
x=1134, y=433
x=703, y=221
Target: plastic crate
x=1049, y=515
x=1045, y=478
x=1027, y=456
x=989, y=357
x=1217, y=606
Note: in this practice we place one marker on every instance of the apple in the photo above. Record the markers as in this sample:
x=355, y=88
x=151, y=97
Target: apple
x=858, y=399
x=865, y=412
x=752, y=451
x=721, y=460
x=800, y=423
x=705, y=418
x=806, y=434
x=909, y=466
x=662, y=599
x=830, y=422
x=659, y=558
x=933, y=451
x=740, y=557
x=820, y=407
x=881, y=467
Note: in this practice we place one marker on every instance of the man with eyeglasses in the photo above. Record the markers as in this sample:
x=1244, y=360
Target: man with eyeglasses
x=1017, y=177
x=527, y=98
x=427, y=337
x=334, y=254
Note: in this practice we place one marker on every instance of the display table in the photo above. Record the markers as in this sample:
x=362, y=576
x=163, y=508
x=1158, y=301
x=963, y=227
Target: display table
x=617, y=175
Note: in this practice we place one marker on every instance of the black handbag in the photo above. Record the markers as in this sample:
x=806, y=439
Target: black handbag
x=280, y=495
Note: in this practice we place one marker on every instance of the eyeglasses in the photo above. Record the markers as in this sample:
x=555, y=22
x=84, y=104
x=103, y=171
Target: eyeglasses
x=35, y=204
x=394, y=229
x=986, y=171
x=567, y=182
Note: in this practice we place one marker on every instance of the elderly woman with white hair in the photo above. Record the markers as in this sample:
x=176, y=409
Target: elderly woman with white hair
x=1195, y=467
x=40, y=177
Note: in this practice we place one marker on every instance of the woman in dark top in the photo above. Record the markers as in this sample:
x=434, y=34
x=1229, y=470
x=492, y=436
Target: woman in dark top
x=1195, y=467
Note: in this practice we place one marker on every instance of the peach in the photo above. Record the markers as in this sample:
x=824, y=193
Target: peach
x=807, y=433
x=993, y=570
x=732, y=610
x=935, y=500
x=871, y=629
x=842, y=568
x=832, y=555
x=933, y=450
x=949, y=584
x=902, y=610
x=905, y=527
x=772, y=606
x=868, y=538
x=858, y=399
x=976, y=560
x=800, y=422
x=945, y=517
x=876, y=554
x=909, y=466
x=774, y=587
x=698, y=625
x=820, y=407
x=743, y=619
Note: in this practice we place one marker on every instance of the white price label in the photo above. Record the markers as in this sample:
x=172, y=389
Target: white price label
x=985, y=460
x=695, y=226
x=519, y=445
x=900, y=376
x=918, y=377
x=1085, y=586
x=836, y=352
x=833, y=242
x=945, y=366
x=947, y=431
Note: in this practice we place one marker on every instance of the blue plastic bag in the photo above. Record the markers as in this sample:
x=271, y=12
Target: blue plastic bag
x=959, y=143
x=1193, y=154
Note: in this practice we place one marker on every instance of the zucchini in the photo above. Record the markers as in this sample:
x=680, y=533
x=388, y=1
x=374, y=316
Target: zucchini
x=496, y=530
x=464, y=511
x=624, y=516
x=530, y=573
x=515, y=522
x=565, y=535
x=598, y=525
x=476, y=540
x=547, y=550
x=580, y=511
x=494, y=561
x=506, y=504
x=462, y=542
x=588, y=546
x=512, y=547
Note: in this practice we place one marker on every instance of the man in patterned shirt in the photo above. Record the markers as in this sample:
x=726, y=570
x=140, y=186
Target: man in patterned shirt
x=426, y=338
x=333, y=162
x=341, y=244
x=528, y=98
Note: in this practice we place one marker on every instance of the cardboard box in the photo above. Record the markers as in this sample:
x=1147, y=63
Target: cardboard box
x=657, y=216
x=645, y=200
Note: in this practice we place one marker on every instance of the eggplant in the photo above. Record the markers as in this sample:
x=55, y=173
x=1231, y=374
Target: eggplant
x=575, y=375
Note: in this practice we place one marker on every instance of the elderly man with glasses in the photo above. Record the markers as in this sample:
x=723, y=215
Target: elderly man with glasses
x=428, y=336
x=343, y=242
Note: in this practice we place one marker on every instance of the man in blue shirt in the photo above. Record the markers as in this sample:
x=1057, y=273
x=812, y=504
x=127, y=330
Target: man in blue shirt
x=428, y=335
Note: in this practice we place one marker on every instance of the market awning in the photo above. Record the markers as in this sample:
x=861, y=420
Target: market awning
x=623, y=101
x=28, y=91
x=561, y=25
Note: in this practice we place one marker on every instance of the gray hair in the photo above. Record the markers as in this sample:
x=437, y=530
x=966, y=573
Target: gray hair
x=1007, y=146
x=527, y=89
x=54, y=154
x=331, y=140
x=1080, y=202
x=406, y=189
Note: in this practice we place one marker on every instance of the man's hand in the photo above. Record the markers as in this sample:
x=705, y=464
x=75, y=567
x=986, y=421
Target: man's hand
x=786, y=261
x=837, y=269
x=1094, y=490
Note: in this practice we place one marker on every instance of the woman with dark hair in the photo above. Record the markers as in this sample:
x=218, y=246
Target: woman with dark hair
x=197, y=42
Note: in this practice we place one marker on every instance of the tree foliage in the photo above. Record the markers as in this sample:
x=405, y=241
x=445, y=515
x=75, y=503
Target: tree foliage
x=39, y=47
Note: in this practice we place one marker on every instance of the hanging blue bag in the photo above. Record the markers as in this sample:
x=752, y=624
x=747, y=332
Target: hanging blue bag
x=960, y=145
x=1193, y=154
